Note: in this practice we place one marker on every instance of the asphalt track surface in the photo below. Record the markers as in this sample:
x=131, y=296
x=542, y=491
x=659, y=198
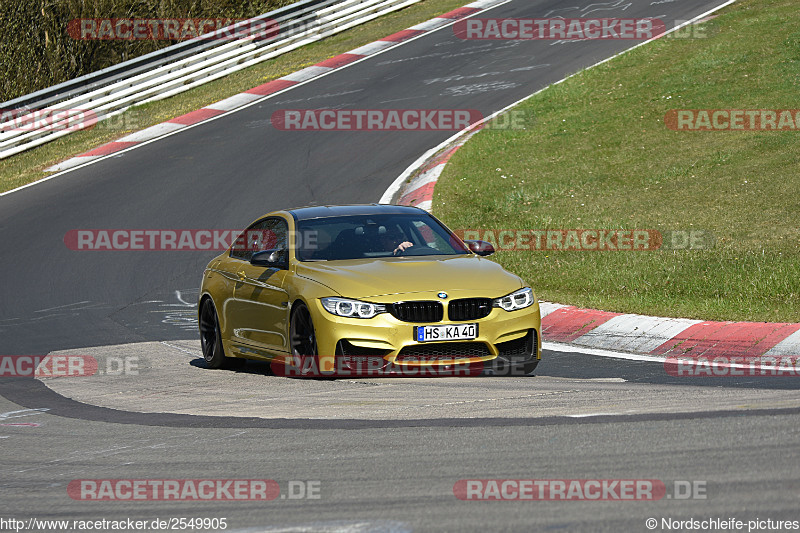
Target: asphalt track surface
x=582, y=417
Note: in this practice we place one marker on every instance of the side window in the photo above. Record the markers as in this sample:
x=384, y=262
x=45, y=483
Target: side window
x=429, y=237
x=266, y=234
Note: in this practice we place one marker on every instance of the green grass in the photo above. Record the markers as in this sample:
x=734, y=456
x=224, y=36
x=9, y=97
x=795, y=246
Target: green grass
x=598, y=155
x=29, y=166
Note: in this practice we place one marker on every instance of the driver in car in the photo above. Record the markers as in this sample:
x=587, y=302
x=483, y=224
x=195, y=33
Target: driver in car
x=390, y=239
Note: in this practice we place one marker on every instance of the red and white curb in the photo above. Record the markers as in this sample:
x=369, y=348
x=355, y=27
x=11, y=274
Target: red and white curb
x=273, y=87
x=667, y=337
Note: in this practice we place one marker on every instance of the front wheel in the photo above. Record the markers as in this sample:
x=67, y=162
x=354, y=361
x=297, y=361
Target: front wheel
x=529, y=368
x=303, y=340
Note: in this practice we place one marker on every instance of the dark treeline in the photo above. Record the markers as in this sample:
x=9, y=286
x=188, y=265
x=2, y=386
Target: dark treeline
x=37, y=50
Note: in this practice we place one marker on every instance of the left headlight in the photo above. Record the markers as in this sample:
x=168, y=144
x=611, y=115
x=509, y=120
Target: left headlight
x=352, y=308
x=516, y=300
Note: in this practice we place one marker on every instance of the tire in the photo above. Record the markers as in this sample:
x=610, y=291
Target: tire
x=303, y=339
x=211, y=339
x=528, y=368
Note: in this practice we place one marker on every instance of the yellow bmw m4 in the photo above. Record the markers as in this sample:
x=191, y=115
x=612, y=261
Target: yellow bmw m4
x=365, y=290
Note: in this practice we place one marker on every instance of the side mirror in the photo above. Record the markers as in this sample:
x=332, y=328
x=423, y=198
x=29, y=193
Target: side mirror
x=481, y=248
x=278, y=258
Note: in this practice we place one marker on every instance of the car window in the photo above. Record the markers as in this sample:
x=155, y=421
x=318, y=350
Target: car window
x=430, y=238
x=367, y=236
x=266, y=234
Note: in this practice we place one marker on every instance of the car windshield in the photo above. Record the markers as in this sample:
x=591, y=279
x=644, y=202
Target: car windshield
x=365, y=236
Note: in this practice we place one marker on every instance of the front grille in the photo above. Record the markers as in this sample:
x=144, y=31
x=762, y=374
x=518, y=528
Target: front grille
x=444, y=350
x=469, y=308
x=522, y=348
x=421, y=311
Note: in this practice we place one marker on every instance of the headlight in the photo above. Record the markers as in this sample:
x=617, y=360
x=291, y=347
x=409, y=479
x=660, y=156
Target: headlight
x=352, y=308
x=516, y=300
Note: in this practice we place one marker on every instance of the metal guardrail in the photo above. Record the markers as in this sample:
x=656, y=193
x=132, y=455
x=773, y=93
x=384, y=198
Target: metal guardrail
x=177, y=68
x=95, y=80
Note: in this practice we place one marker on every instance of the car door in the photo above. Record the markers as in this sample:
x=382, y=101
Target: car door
x=259, y=309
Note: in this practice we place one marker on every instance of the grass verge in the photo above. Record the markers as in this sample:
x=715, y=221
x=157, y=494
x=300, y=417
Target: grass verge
x=599, y=155
x=27, y=167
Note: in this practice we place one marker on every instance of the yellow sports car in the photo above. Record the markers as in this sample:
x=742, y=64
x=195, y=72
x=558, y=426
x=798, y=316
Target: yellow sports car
x=365, y=290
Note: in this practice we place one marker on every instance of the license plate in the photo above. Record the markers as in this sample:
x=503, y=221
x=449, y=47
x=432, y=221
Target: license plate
x=452, y=332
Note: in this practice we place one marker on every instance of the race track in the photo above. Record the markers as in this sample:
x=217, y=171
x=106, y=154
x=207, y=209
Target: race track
x=385, y=452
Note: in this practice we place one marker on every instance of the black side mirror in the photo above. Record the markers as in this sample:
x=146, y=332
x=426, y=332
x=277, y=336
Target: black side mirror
x=482, y=248
x=278, y=258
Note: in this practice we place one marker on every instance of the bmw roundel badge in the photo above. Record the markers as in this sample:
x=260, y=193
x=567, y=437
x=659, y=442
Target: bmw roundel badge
x=442, y=295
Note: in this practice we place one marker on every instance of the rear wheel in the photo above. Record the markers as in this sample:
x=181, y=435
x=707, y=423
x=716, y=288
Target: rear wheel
x=211, y=339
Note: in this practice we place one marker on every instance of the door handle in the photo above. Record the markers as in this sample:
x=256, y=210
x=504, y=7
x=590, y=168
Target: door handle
x=242, y=275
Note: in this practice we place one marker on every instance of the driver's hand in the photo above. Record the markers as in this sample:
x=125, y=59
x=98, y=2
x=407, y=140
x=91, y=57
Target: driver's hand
x=402, y=247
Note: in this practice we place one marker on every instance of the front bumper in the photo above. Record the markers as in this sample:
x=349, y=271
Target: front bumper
x=506, y=342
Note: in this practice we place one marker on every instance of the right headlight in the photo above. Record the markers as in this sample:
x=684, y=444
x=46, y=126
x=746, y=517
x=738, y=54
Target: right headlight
x=516, y=300
x=352, y=308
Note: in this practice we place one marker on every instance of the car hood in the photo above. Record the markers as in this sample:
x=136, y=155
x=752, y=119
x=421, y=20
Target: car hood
x=365, y=278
